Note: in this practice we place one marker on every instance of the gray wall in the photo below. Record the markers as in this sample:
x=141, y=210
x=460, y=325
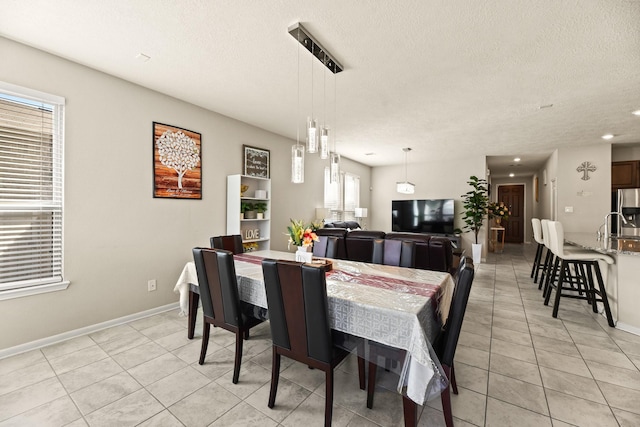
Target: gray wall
x=116, y=235
x=434, y=180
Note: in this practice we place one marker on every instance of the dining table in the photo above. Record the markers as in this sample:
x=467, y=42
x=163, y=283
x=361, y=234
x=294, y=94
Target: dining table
x=399, y=307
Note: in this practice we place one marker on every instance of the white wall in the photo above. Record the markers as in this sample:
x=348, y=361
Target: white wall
x=546, y=175
x=620, y=153
x=116, y=235
x=590, y=199
x=434, y=180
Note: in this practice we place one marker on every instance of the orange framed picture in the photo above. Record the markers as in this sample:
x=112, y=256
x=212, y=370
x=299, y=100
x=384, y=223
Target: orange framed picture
x=177, y=162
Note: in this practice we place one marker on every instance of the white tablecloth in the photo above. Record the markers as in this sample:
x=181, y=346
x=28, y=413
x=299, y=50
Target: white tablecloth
x=396, y=317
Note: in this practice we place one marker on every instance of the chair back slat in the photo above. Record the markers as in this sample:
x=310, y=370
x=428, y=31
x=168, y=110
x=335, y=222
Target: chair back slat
x=275, y=302
x=333, y=245
x=440, y=253
x=320, y=247
x=298, y=309
x=232, y=243
x=400, y=253
x=218, y=285
x=456, y=313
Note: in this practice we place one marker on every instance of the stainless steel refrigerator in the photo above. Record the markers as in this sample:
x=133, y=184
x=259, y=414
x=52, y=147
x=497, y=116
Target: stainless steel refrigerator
x=629, y=207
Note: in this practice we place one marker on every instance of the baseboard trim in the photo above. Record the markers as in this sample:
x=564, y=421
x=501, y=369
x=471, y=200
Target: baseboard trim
x=54, y=339
x=628, y=328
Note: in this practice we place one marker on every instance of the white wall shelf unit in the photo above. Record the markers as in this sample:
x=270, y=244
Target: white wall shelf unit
x=256, y=231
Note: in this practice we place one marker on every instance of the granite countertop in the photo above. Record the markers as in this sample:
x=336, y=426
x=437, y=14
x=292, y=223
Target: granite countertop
x=614, y=245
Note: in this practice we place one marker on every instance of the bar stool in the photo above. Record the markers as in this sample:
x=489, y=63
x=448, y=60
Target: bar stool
x=581, y=260
x=551, y=265
x=549, y=259
x=537, y=261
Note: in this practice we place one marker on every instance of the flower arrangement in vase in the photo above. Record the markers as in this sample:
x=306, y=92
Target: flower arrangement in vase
x=302, y=236
x=498, y=211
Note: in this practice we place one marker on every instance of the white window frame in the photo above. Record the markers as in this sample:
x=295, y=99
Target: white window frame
x=54, y=203
x=338, y=198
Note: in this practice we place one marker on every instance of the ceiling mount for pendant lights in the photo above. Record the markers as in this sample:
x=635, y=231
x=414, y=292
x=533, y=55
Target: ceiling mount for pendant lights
x=405, y=187
x=305, y=38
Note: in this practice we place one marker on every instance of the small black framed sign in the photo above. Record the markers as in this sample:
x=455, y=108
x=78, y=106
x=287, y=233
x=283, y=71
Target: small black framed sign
x=256, y=162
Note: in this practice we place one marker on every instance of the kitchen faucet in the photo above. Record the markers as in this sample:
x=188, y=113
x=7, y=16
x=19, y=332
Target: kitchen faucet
x=606, y=223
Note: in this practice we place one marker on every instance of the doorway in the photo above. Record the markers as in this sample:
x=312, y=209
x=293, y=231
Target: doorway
x=513, y=197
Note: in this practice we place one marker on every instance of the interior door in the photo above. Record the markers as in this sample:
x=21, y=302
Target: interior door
x=513, y=196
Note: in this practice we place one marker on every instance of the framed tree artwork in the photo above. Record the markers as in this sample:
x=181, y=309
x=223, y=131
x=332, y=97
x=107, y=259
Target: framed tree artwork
x=177, y=162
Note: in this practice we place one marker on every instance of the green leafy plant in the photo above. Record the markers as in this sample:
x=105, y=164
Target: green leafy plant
x=261, y=207
x=246, y=206
x=475, y=204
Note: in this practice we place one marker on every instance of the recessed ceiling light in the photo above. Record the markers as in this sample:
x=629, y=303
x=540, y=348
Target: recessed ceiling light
x=511, y=175
x=636, y=113
x=607, y=136
x=517, y=159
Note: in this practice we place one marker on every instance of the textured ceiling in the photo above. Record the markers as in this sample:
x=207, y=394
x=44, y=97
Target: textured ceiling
x=442, y=77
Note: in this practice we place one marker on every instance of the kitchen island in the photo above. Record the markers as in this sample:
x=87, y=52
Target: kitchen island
x=623, y=277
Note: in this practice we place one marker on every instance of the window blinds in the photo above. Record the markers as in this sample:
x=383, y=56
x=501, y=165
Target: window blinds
x=31, y=132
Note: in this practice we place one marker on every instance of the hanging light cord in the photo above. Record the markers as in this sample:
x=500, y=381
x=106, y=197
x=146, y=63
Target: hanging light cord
x=312, y=80
x=298, y=106
x=405, y=166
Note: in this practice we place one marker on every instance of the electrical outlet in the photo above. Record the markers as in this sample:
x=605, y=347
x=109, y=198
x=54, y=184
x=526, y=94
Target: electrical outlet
x=151, y=285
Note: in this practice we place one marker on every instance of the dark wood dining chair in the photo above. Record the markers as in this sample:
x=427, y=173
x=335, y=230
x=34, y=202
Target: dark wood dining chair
x=232, y=243
x=299, y=319
x=221, y=304
x=400, y=253
x=444, y=345
x=326, y=247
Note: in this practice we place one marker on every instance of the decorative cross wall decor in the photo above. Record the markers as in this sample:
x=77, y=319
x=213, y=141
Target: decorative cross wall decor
x=585, y=168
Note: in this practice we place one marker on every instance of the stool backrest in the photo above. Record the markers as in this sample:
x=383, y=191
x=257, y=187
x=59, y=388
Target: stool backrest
x=556, y=235
x=537, y=230
x=544, y=223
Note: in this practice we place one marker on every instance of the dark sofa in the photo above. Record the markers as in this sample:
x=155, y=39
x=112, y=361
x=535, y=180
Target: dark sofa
x=350, y=225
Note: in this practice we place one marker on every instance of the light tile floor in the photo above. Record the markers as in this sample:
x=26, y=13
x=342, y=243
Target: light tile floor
x=515, y=364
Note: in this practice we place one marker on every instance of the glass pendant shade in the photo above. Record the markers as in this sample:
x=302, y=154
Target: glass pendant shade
x=312, y=135
x=297, y=164
x=334, y=168
x=405, y=187
x=324, y=143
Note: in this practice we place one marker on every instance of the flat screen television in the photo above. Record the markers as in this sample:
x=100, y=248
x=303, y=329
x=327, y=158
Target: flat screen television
x=423, y=216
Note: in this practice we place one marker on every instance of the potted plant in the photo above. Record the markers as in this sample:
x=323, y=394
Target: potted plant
x=246, y=210
x=301, y=235
x=499, y=212
x=261, y=208
x=475, y=204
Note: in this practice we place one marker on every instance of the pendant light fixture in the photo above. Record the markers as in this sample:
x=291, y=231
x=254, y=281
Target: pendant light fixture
x=317, y=138
x=405, y=187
